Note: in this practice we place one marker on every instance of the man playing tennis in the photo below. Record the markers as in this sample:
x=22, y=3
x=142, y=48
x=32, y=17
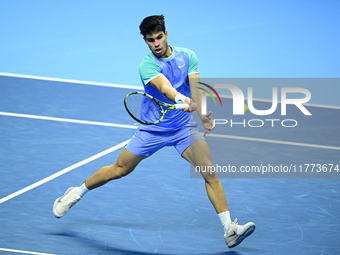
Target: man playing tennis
x=168, y=74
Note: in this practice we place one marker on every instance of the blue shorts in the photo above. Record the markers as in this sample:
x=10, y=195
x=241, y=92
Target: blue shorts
x=146, y=143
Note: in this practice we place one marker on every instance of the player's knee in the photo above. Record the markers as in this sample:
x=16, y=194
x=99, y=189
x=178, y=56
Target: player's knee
x=213, y=182
x=117, y=172
x=208, y=171
x=210, y=177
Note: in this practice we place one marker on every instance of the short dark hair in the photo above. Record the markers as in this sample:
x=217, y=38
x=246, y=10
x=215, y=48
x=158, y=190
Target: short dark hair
x=152, y=24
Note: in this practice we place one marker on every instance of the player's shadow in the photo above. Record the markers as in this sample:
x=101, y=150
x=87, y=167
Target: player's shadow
x=100, y=248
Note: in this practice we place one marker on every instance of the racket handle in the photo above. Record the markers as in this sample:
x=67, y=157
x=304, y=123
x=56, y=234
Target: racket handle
x=181, y=106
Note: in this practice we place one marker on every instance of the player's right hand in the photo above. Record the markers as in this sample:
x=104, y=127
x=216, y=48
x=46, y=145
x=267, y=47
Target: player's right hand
x=192, y=105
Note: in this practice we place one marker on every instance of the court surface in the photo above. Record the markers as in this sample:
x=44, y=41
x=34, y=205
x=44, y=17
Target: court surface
x=55, y=134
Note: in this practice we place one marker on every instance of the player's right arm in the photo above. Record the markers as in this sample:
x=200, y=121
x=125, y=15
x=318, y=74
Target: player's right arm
x=152, y=76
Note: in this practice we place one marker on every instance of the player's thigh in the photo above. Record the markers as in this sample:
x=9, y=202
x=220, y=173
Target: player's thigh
x=198, y=153
x=127, y=162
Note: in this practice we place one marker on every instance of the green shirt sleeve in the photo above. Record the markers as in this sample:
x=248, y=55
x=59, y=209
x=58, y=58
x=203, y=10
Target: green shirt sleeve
x=149, y=70
x=193, y=63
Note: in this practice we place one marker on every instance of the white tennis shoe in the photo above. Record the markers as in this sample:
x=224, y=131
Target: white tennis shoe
x=237, y=233
x=64, y=203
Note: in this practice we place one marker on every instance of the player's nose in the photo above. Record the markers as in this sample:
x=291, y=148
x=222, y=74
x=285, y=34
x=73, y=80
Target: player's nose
x=156, y=43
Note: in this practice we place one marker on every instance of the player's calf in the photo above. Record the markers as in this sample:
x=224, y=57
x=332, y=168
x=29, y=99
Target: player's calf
x=116, y=171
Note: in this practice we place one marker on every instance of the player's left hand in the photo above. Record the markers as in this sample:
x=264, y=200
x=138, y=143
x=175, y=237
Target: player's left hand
x=192, y=105
x=208, y=123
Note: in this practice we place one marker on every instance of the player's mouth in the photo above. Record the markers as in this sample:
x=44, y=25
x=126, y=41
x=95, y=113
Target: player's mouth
x=158, y=50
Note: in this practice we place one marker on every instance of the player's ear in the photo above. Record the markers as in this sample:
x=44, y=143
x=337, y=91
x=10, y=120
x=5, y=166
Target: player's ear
x=166, y=34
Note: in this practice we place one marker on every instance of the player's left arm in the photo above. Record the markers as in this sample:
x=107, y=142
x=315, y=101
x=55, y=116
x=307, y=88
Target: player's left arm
x=196, y=95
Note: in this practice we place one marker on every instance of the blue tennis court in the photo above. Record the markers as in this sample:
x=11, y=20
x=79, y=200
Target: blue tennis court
x=57, y=133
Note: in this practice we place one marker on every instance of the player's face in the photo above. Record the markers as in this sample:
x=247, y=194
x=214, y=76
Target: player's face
x=158, y=44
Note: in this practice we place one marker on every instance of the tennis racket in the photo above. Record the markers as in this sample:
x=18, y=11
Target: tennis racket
x=146, y=109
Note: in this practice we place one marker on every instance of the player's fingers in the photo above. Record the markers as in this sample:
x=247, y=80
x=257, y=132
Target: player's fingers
x=186, y=109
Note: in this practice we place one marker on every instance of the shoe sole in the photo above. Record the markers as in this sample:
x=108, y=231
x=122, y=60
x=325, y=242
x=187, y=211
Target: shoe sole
x=247, y=233
x=57, y=201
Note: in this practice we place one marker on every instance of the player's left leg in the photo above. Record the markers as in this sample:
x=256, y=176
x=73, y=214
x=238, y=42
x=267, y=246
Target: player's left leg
x=198, y=154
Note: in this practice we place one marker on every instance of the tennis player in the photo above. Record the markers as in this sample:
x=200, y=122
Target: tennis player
x=170, y=74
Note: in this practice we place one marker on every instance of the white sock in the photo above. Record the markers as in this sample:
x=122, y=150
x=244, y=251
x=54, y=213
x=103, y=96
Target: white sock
x=225, y=220
x=81, y=190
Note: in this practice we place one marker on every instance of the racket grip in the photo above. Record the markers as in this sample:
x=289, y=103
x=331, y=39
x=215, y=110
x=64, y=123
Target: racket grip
x=181, y=106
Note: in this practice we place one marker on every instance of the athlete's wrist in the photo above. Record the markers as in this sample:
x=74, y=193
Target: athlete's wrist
x=180, y=99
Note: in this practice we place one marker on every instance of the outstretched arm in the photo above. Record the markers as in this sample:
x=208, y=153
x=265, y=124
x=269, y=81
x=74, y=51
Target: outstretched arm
x=164, y=86
x=196, y=95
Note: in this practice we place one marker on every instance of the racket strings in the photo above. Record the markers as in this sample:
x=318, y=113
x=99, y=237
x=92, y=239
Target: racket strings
x=143, y=108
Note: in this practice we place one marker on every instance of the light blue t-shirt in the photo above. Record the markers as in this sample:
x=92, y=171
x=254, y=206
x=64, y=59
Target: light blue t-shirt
x=176, y=69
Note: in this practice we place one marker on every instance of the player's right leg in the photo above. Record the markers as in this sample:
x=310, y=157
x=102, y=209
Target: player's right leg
x=125, y=164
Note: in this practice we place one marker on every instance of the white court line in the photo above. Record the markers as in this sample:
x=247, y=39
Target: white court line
x=64, y=171
x=275, y=141
x=67, y=120
x=72, y=81
x=135, y=127
x=135, y=87
x=25, y=252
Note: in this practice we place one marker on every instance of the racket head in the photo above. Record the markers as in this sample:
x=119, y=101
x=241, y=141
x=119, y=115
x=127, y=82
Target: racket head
x=144, y=108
